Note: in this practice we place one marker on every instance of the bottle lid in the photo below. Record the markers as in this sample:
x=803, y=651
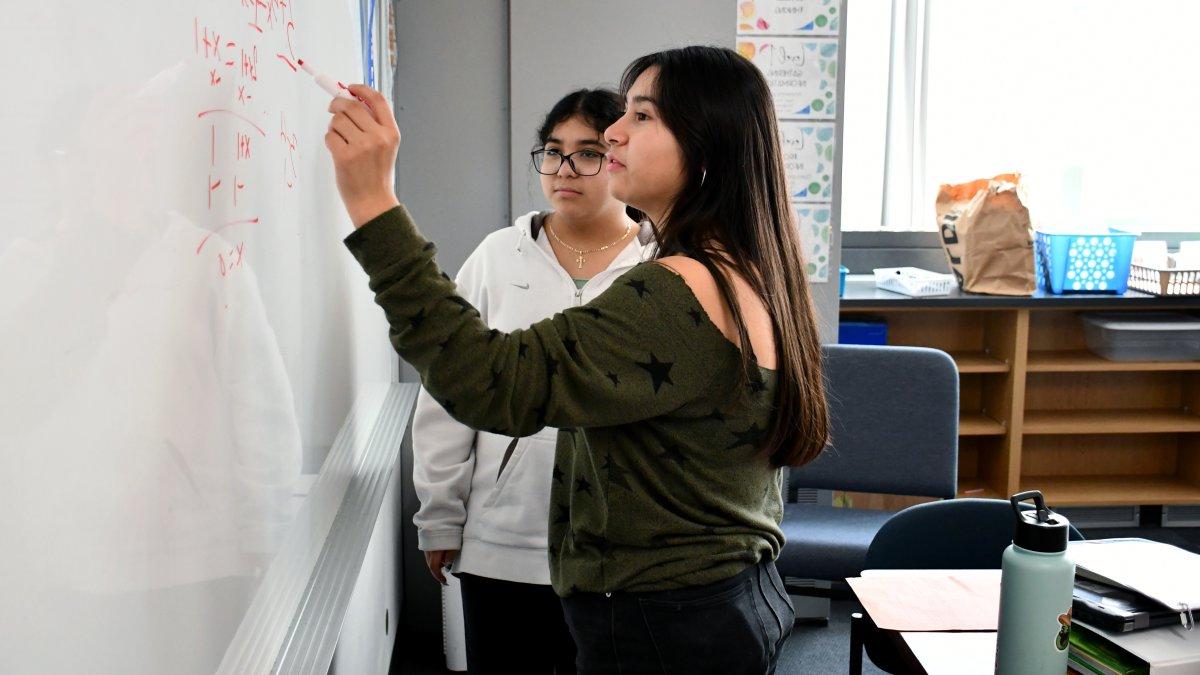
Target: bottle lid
x=1039, y=529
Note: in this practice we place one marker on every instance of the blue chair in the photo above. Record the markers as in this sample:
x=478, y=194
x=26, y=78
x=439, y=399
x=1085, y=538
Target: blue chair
x=894, y=413
x=951, y=534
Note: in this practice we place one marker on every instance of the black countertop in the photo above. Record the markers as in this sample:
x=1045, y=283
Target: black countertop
x=861, y=293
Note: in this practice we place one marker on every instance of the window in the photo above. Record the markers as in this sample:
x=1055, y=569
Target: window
x=1093, y=101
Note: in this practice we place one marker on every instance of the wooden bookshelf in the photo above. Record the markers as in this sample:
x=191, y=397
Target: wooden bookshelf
x=1040, y=411
x=978, y=424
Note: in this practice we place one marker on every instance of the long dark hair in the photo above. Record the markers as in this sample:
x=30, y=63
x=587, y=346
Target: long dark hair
x=733, y=211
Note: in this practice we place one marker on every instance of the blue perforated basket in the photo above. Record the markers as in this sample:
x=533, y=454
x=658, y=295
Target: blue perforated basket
x=1083, y=263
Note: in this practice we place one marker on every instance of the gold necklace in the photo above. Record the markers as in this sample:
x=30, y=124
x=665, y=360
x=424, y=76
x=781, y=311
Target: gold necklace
x=578, y=253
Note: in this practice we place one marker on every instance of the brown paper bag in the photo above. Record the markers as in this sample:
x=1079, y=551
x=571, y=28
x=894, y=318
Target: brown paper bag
x=985, y=232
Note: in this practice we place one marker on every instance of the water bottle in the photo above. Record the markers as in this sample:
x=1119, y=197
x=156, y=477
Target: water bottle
x=1036, y=583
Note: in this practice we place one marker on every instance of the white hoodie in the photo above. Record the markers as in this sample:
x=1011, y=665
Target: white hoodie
x=499, y=523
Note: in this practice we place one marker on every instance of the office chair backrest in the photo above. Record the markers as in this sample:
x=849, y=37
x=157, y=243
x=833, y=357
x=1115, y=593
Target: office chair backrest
x=952, y=534
x=894, y=414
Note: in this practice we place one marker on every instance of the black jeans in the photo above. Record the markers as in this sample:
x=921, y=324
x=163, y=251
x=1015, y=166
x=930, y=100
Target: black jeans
x=514, y=628
x=733, y=626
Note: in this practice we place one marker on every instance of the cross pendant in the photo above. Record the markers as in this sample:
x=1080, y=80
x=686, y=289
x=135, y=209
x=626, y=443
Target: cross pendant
x=580, y=260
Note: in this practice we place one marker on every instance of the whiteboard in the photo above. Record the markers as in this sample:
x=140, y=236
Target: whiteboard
x=179, y=339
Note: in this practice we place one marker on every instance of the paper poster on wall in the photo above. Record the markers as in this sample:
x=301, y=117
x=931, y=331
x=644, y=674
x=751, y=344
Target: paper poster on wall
x=808, y=159
x=814, y=222
x=801, y=72
x=783, y=17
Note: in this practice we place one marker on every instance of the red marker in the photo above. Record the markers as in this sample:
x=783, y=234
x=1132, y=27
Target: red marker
x=335, y=88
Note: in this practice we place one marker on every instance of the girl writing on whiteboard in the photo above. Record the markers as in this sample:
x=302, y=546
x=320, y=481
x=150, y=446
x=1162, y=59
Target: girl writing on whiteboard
x=490, y=523
x=678, y=393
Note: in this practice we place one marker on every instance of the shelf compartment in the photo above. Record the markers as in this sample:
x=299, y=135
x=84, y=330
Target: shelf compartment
x=976, y=488
x=1110, y=421
x=1083, y=361
x=1113, y=490
x=978, y=424
x=978, y=362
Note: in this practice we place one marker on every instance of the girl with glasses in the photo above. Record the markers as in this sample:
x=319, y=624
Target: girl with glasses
x=490, y=524
x=679, y=393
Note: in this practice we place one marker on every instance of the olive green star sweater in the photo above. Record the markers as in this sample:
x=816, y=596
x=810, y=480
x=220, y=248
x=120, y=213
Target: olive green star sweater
x=659, y=479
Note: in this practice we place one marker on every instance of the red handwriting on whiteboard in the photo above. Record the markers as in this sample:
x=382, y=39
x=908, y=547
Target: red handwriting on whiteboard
x=289, y=162
x=245, y=221
x=227, y=261
x=250, y=63
x=230, y=55
x=243, y=146
x=222, y=111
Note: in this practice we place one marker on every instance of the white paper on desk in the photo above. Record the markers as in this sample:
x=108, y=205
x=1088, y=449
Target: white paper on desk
x=930, y=600
x=954, y=653
x=1163, y=572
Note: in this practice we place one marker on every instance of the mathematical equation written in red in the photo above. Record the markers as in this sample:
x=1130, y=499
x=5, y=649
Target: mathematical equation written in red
x=259, y=42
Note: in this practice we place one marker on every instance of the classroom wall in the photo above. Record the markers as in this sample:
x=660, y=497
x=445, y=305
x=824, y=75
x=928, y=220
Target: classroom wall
x=463, y=160
x=452, y=173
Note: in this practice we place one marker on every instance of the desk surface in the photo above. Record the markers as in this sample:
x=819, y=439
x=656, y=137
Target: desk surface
x=954, y=653
x=861, y=293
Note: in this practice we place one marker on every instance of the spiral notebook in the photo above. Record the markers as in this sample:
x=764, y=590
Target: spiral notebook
x=1162, y=572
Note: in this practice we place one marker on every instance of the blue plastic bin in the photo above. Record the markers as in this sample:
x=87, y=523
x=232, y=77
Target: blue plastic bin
x=862, y=332
x=1083, y=263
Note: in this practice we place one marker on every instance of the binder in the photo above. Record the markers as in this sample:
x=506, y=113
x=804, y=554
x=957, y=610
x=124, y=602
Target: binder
x=1118, y=610
x=1164, y=573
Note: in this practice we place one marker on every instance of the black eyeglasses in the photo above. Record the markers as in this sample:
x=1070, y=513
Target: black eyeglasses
x=548, y=161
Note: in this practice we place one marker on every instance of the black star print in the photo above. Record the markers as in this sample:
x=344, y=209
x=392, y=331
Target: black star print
x=593, y=311
x=521, y=349
x=492, y=335
x=495, y=379
x=551, y=366
x=446, y=277
x=615, y=380
x=582, y=485
x=660, y=371
x=716, y=415
x=639, y=286
x=428, y=246
x=696, y=316
x=569, y=344
x=752, y=437
x=417, y=319
x=558, y=474
x=564, y=515
x=674, y=454
x=616, y=473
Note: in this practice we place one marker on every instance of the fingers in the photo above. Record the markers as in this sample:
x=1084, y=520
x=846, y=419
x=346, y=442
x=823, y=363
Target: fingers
x=356, y=111
x=345, y=128
x=433, y=560
x=380, y=110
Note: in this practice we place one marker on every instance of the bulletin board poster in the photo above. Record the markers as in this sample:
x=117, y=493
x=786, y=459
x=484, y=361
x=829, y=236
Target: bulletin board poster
x=783, y=17
x=808, y=159
x=814, y=222
x=802, y=73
